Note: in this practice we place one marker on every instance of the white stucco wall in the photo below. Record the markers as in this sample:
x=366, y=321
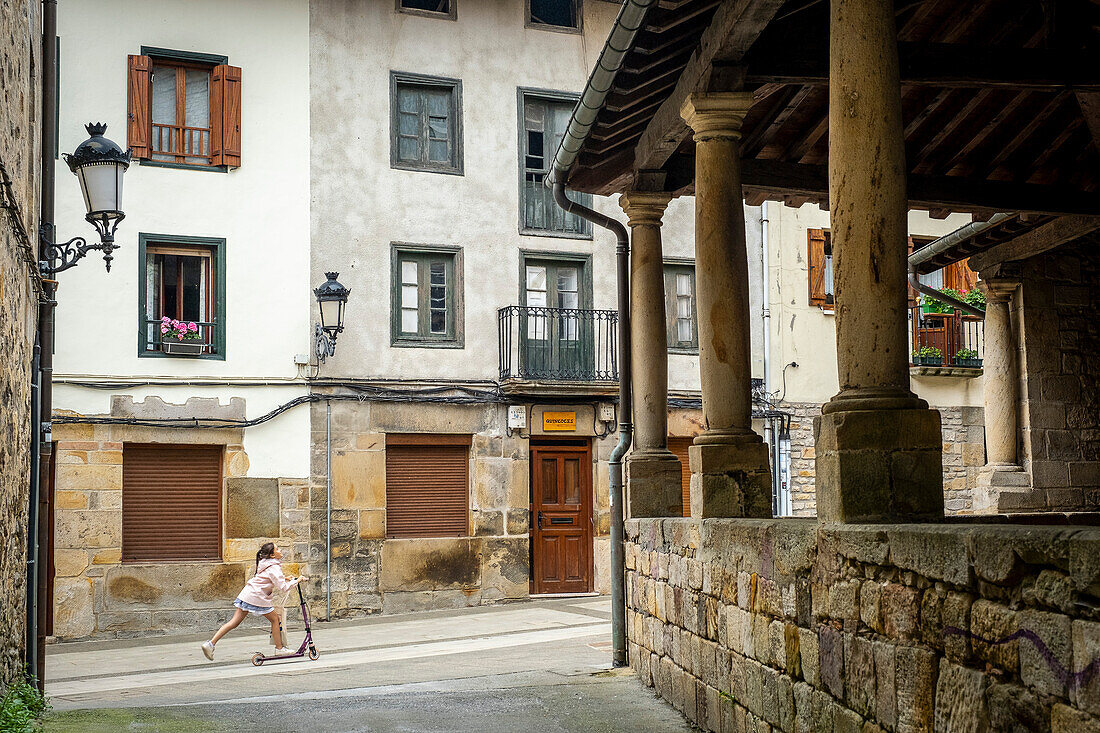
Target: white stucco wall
x=261, y=209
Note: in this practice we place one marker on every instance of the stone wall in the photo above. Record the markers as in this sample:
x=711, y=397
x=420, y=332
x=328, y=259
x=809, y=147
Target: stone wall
x=793, y=626
x=1059, y=309
x=963, y=456
x=19, y=149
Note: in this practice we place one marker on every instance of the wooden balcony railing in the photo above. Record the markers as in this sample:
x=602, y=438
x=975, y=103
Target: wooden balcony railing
x=182, y=142
x=954, y=339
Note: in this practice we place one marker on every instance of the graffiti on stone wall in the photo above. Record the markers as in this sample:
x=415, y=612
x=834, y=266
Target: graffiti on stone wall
x=1065, y=675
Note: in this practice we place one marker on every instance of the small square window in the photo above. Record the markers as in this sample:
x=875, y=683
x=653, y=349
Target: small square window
x=681, y=323
x=182, y=282
x=437, y=8
x=427, y=298
x=426, y=127
x=554, y=14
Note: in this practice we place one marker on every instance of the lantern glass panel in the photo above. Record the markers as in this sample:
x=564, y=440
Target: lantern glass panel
x=330, y=314
x=101, y=185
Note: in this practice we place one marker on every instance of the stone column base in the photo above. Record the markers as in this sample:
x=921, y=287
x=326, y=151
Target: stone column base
x=653, y=485
x=883, y=465
x=731, y=479
x=1005, y=488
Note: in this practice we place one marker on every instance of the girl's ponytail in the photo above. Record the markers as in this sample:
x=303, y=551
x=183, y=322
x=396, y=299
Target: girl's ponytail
x=265, y=551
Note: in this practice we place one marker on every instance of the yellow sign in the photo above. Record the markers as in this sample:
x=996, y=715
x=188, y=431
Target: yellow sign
x=559, y=421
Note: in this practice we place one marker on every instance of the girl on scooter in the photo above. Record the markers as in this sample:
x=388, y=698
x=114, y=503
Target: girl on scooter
x=256, y=598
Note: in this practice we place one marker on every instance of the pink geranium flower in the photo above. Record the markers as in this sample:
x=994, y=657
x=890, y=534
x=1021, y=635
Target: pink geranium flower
x=192, y=327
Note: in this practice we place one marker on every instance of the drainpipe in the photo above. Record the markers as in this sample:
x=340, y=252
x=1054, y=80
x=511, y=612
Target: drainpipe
x=942, y=244
x=328, y=510
x=31, y=639
x=626, y=427
x=766, y=317
x=920, y=287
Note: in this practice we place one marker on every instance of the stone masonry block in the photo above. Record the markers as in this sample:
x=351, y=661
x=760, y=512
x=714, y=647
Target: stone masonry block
x=960, y=699
x=916, y=683
x=831, y=653
x=730, y=480
x=359, y=480
x=990, y=623
x=251, y=507
x=859, y=668
x=654, y=487
x=1056, y=632
x=1086, y=652
x=900, y=610
x=886, y=710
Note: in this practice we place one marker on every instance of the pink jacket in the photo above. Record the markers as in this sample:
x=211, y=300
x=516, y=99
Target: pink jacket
x=269, y=576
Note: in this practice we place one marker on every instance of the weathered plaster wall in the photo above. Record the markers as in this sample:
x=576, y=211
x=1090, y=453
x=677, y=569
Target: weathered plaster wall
x=19, y=119
x=791, y=626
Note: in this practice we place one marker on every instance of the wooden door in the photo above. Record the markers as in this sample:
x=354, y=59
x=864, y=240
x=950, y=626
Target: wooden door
x=561, y=519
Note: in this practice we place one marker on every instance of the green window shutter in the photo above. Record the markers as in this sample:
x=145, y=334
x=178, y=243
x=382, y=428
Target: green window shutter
x=544, y=124
x=425, y=298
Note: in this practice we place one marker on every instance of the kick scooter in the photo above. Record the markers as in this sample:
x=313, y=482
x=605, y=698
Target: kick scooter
x=307, y=643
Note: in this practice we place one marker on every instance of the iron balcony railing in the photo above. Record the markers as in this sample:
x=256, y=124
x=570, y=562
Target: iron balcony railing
x=953, y=339
x=567, y=344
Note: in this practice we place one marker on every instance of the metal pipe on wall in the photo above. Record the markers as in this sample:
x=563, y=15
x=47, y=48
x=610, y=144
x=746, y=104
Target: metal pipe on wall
x=31, y=639
x=328, y=510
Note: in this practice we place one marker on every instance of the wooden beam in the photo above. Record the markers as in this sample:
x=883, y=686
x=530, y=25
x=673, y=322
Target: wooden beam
x=942, y=65
x=1090, y=110
x=1041, y=239
x=734, y=28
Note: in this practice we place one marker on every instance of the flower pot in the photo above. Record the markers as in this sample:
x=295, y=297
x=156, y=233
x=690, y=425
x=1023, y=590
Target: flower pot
x=187, y=347
x=928, y=361
x=970, y=363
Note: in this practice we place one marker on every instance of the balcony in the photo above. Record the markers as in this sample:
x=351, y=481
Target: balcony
x=946, y=344
x=559, y=345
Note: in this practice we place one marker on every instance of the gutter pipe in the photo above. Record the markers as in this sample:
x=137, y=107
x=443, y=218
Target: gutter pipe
x=619, y=42
x=766, y=317
x=944, y=243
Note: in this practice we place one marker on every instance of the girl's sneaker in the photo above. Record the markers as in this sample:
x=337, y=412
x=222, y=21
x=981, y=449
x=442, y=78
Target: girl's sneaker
x=208, y=650
x=283, y=651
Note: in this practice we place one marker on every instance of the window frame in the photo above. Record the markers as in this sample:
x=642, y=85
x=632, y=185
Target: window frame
x=582, y=260
x=451, y=14
x=673, y=266
x=455, y=86
x=217, y=247
x=528, y=23
x=194, y=59
x=585, y=199
x=822, y=302
x=455, y=288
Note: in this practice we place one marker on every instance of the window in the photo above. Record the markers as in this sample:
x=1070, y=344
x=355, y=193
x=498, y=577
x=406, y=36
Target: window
x=427, y=308
x=821, y=268
x=184, y=109
x=680, y=321
x=425, y=125
x=435, y=8
x=181, y=278
x=544, y=122
x=554, y=14
x=427, y=485
x=171, y=502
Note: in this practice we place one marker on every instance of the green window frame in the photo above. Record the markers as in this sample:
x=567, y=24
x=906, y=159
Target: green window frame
x=211, y=247
x=681, y=313
x=543, y=120
x=426, y=306
x=425, y=123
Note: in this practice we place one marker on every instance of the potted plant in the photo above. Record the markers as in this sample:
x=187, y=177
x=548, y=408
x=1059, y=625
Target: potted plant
x=931, y=305
x=928, y=356
x=180, y=338
x=967, y=358
x=975, y=298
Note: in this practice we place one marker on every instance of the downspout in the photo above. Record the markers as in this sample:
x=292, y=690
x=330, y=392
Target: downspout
x=766, y=316
x=46, y=311
x=328, y=510
x=920, y=287
x=619, y=42
x=31, y=639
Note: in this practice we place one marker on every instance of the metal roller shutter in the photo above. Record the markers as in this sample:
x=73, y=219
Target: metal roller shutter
x=171, y=502
x=679, y=446
x=427, y=485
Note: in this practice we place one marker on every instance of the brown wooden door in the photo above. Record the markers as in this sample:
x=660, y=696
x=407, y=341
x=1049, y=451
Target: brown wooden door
x=561, y=519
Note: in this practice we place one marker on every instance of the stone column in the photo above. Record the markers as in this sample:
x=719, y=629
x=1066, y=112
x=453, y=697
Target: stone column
x=729, y=462
x=1001, y=397
x=653, y=471
x=878, y=445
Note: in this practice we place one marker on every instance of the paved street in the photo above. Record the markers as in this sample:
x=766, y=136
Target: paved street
x=542, y=665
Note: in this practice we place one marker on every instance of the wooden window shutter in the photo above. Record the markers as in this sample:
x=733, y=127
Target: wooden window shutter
x=816, y=256
x=427, y=485
x=680, y=446
x=171, y=502
x=959, y=276
x=225, y=115
x=139, y=110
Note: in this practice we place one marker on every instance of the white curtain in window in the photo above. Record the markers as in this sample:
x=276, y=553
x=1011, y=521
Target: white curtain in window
x=197, y=112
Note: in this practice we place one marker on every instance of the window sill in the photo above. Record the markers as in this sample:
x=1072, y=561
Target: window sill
x=554, y=234
x=554, y=28
x=683, y=350
x=183, y=166
x=418, y=344
x=427, y=14
x=426, y=169
x=162, y=355
x=945, y=371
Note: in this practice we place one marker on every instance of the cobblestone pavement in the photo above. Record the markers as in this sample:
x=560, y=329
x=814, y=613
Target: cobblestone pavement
x=541, y=665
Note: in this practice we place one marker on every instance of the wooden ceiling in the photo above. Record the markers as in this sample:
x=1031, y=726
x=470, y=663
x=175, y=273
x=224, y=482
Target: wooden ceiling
x=1000, y=101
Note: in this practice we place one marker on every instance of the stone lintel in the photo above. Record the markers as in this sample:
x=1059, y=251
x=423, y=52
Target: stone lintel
x=998, y=289
x=730, y=480
x=653, y=485
x=879, y=466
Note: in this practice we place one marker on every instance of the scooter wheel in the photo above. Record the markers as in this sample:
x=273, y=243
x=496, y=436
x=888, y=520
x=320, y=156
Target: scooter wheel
x=313, y=653
x=257, y=659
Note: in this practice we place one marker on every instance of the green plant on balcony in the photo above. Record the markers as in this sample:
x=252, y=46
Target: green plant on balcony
x=975, y=298
x=931, y=305
x=967, y=358
x=928, y=356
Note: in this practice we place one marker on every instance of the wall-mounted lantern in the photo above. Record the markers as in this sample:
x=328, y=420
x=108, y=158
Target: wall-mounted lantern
x=331, y=299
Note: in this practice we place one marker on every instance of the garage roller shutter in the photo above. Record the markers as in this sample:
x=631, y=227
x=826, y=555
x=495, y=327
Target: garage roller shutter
x=171, y=502
x=679, y=446
x=427, y=485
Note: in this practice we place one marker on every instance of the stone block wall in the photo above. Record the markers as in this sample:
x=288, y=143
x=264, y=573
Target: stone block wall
x=789, y=625
x=963, y=456
x=20, y=117
x=1058, y=311
x=97, y=595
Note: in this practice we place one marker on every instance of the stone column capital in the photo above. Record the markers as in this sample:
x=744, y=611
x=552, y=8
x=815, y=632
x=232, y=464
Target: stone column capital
x=716, y=115
x=644, y=208
x=998, y=290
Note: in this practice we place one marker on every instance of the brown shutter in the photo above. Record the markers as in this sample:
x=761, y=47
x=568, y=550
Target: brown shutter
x=427, y=485
x=139, y=110
x=962, y=278
x=171, y=502
x=816, y=258
x=680, y=446
x=225, y=115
